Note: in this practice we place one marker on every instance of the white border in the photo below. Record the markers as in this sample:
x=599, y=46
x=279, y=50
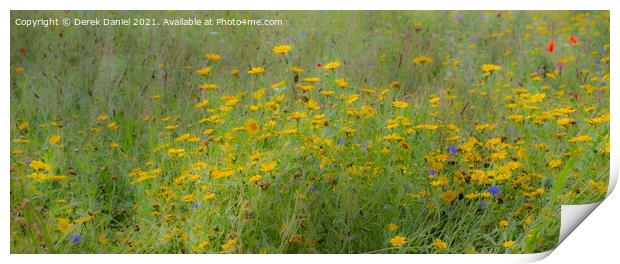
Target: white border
x=297, y=5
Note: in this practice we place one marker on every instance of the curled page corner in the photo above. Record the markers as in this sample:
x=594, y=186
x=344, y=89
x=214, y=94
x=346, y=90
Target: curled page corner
x=534, y=257
x=572, y=216
x=613, y=176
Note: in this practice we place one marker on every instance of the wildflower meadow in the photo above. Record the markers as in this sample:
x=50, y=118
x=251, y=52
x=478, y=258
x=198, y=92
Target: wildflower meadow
x=325, y=132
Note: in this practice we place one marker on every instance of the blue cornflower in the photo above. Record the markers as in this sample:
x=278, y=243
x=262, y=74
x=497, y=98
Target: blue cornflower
x=452, y=149
x=431, y=172
x=365, y=145
x=74, y=239
x=493, y=190
x=341, y=142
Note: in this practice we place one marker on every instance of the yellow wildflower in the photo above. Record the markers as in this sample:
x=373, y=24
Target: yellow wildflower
x=208, y=196
x=296, y=70
x=554, y=163
x=297, y=115
x=229, y=244
x=580, y=138
x=490, y=67
x=213, y=56
x=252, y=126
x=400, y=104
x=39, y=165
x=54, y=139
x=281, y=49
x=176, y=152
x=341, y=83
x=256, y=70
x=255, y=178
x=204, y=71
x=188, y=198
x=332, y=65
x=269, y=166
x=63, y=224
x=449, y=196
x=398, y=241
x=422, y=60
x=440, y=244
x=83, y=219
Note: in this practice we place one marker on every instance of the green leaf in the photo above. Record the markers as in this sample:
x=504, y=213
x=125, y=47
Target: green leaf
x=560, y=179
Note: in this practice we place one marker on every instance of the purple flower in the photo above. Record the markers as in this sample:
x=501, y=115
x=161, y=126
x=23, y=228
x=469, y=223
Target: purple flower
x=452, y=149
x=458, y=17
x=365, y=145
x=511, y=130
x=341, y=142
x=195, y=205
x=482, y=205
x=493, y=190
x=74, y=239
x=431, y=172
x=560, y=65
x=473, y=38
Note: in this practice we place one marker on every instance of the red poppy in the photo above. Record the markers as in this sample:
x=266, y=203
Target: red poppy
x=551, y=46
x=319, y=65
x=576, y=95
x=573, y=39
x=23, y=51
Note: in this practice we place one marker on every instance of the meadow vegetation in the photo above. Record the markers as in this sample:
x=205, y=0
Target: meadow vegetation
x=337, y=132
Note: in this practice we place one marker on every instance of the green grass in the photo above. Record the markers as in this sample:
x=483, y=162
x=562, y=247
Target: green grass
x=332, y=190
